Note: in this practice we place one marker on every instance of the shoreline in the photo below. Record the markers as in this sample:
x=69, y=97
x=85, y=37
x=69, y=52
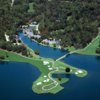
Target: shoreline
x=71, y=49
x=57, y=46
x=46, y=44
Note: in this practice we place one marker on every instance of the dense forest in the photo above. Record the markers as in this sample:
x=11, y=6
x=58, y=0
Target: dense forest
x=75, y=22
x=10, y=19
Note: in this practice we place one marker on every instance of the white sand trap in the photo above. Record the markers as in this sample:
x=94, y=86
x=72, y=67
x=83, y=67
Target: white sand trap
x=39, y=83
x=45, y=62
x=48, y=80
x=80, y=71
x=44, y=76
x=45, y=81
x=50, y=68
x=76, y=73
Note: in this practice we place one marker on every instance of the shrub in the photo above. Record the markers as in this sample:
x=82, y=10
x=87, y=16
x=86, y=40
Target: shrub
x=2, y=57
x=98, y=50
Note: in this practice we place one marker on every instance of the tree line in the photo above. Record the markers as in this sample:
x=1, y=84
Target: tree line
x=75, y=22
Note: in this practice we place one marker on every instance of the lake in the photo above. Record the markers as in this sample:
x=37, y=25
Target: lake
x=16, y=78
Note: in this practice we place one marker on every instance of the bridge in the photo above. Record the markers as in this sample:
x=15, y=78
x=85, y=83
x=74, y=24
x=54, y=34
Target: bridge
x=62, y=57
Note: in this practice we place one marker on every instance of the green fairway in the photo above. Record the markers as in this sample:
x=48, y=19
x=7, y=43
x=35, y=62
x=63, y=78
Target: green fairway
x=53, y=86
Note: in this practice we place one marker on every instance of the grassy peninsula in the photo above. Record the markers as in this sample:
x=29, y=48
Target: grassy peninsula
x=45, y=82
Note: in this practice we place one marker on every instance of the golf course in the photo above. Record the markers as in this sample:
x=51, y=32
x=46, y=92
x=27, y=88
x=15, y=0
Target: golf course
x=45, y=82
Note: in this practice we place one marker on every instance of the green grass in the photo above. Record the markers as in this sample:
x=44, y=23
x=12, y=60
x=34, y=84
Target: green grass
x=62, y=66
x=31, y=10
x=38, y=62
x=19, y=58
x=54, y=90
x=90, y=49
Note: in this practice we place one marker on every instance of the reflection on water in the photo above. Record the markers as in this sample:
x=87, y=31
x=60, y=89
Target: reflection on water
x=2, y=62
x=98, y=58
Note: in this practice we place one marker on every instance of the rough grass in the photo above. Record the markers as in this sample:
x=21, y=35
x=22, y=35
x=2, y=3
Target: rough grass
x=31, y=10
x=90, y=49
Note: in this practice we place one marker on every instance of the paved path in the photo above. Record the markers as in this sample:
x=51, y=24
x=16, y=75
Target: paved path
x=54, y=82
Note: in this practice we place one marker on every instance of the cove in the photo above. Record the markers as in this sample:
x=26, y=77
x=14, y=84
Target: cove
x=45, y=51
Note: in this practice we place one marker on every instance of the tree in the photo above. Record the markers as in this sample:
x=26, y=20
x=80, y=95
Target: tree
x=2, y=57
x=79, y=28
x=59, y=78
x=54, y=45
x=7, y=55
x=36, y=52
x=24, y=53
x=98, y=50
x=67, y=69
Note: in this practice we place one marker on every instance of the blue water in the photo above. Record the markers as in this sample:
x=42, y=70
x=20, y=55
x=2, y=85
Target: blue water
x=16, y=78
x=45, y=51
x=89, y=87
